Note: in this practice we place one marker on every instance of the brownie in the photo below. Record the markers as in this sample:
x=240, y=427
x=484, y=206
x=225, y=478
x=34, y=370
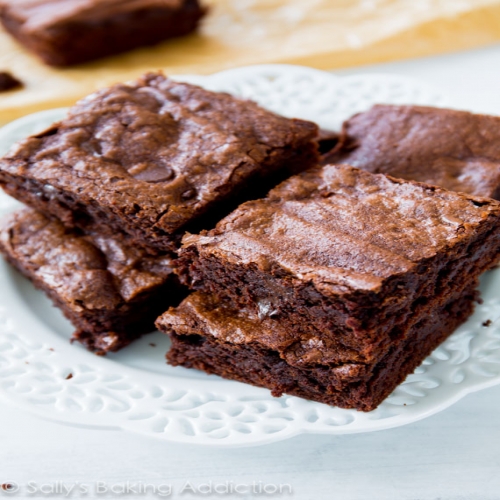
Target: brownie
x=345, y=259
x=66, y=32
x=209, y=335
x=112, y=292
x=155, y=157
x=8, y=82
x=456, y=150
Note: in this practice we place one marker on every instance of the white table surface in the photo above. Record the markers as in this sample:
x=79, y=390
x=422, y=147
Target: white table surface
x=452, y=455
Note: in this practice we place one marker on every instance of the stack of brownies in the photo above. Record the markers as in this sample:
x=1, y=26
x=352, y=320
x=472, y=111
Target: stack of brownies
x=115, y=184
x=333, y=286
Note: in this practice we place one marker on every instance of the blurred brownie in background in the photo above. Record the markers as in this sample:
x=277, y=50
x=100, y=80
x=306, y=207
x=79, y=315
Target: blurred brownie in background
x=65, y=32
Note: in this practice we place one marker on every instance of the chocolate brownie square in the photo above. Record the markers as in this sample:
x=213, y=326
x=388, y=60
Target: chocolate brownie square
x=112, y=292
x=65, y=32
x=207, y=334
x=151, y=158
x=345, y=262
x=456, y=150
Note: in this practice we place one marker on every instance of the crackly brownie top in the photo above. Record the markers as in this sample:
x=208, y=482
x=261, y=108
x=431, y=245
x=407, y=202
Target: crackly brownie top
x=156, y=149
x=37, y=14
x=453, y=149
x=340, y=227
x=86, y=272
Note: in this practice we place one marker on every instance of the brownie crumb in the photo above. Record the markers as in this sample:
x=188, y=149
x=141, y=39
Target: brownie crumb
x=8, y=82
x=487, y=323
x=70, y=376
x=6, y=486
x=152, y=345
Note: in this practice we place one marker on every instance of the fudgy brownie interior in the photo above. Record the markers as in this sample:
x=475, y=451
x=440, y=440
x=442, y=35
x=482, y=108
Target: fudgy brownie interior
x=110, y=290
x=222, y=341
x=346, y=257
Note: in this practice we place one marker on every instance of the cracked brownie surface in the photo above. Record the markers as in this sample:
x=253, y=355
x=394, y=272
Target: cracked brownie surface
x=111, y=291
x=345, y=257
x=151, y=157
x=453, y=149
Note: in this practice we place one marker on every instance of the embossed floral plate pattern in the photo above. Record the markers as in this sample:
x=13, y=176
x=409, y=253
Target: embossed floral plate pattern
x=136, y=391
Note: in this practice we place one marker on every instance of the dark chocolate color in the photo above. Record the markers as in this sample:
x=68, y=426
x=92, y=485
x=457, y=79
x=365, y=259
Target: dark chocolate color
x=8, y=82
x=346, y=258
x=222, y=341
x=152, y=157
x=111, y=291
x=456, y=150
x=327, y=140
x=66, y=32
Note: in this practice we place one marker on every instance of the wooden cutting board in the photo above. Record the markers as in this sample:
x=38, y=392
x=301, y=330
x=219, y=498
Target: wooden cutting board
x=325, y=34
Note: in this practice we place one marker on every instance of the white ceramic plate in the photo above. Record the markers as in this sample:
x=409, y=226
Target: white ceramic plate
x=135, y=390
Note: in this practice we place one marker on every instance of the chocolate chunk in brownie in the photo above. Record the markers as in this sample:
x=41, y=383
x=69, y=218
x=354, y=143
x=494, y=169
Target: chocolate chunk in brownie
x=153, y=157
x=8, y=82
x=456, y=150
x=209, y=335
x=65, y=32
x=112, y=292
x=344, y=257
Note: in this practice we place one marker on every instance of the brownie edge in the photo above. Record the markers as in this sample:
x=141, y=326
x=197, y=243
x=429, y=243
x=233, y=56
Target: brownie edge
x=345, y=257
x=408, y=142
x=204, y=343
x=77, y=32
x=111, y=291
x=154, y=157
